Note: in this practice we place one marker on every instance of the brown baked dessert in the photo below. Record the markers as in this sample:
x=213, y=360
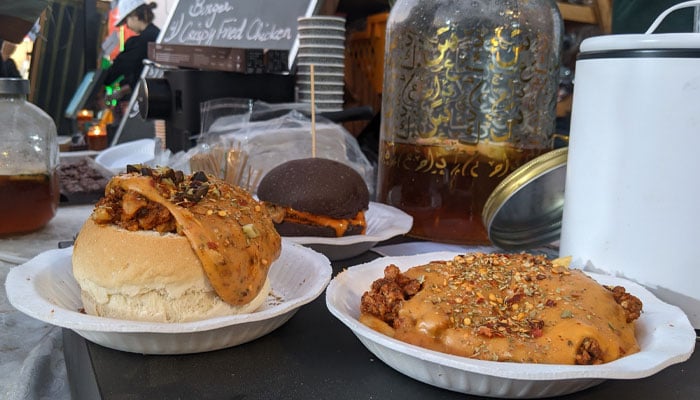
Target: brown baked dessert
x=82, y=181
x=504, y=307
x=165, y=246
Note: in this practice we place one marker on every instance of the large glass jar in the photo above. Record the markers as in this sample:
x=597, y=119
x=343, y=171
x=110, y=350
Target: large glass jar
x=29, y=191
x=469, y=95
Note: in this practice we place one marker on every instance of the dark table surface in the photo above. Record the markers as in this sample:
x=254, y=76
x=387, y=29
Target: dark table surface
x=312, y=356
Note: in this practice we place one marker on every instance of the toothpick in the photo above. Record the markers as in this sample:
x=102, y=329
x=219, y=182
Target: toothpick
x=313, y=115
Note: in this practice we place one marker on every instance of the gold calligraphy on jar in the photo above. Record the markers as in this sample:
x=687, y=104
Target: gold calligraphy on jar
x=466, y=100
x=470, y=85
x=456, y=160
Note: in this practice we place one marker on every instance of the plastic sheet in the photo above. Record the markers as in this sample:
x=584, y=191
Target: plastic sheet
x=242, y=140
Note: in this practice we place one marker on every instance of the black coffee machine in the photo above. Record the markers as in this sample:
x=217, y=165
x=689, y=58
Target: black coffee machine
x=177, y=96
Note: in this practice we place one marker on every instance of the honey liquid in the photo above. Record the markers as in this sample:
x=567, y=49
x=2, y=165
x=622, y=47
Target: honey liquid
x=27, y=202
x=445, y=186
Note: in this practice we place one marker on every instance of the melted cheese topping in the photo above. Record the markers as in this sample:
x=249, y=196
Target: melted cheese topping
x=228, y=232
x=339, y=226
x=535, y=313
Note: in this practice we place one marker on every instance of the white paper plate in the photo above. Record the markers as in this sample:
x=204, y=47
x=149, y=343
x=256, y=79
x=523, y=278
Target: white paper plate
x=663, y=331
x=116, y=158
x=44, y=288
x=383, y=222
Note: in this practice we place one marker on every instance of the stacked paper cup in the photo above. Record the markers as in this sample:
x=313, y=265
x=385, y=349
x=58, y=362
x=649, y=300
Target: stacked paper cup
x=321, y=44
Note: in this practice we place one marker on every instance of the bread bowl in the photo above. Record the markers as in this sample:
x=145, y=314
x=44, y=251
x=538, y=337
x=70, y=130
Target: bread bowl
x=163, y=246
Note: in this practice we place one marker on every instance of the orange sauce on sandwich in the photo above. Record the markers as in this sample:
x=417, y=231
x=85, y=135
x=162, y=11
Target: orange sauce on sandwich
x=228, y=233
x=339, y=226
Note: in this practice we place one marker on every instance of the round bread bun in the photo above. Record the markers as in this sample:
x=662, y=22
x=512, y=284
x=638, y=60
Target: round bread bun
x=316, y=186
x=146, y=276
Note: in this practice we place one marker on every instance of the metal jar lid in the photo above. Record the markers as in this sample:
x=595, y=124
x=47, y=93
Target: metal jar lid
x=14, y=86
x=525, y=210
x=646, y=45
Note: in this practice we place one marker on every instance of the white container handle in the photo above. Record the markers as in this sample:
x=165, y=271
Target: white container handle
x=669, y=10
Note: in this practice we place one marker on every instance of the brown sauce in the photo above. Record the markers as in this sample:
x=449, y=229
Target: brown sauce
x=27, y=202
x=445, y=187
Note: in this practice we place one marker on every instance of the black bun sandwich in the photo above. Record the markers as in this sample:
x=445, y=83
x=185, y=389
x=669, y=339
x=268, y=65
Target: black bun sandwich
x=315, y=197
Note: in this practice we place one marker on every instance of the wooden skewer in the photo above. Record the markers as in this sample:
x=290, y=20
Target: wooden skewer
x=313, y=115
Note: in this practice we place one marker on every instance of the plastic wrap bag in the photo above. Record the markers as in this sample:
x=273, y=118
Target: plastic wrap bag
x=243, y=140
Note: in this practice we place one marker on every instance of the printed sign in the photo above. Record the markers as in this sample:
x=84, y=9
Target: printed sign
x=259, y=24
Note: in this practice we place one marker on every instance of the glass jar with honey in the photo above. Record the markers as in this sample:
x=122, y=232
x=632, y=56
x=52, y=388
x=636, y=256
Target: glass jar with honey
x=469, y=95
x=29, y=188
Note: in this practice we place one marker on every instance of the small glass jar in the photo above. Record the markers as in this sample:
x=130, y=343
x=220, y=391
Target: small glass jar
x=29, y=187
x=469, y=95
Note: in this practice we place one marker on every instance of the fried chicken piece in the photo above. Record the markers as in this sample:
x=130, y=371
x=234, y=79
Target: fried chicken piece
x=132, y=211
x=384, y=298
x=631, y=304
x=589, y=353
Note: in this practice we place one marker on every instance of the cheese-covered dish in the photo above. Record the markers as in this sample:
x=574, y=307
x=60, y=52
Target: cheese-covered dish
x=504, y=307
x=163, y=246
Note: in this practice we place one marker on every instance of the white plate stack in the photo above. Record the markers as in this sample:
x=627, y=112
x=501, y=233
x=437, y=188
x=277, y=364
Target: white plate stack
x=321, y=44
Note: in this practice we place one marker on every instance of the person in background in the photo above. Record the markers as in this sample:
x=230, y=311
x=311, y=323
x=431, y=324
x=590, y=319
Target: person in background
x=138, y=17
x=8, y=68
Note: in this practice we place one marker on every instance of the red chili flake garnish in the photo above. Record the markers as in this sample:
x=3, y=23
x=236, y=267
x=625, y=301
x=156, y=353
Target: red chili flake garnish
x=550, y=303
x=536, y=324
x=212, y=245
x=485, y=331
x=514, y=299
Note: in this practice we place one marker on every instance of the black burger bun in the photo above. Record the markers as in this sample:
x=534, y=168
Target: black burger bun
x=317, y=186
